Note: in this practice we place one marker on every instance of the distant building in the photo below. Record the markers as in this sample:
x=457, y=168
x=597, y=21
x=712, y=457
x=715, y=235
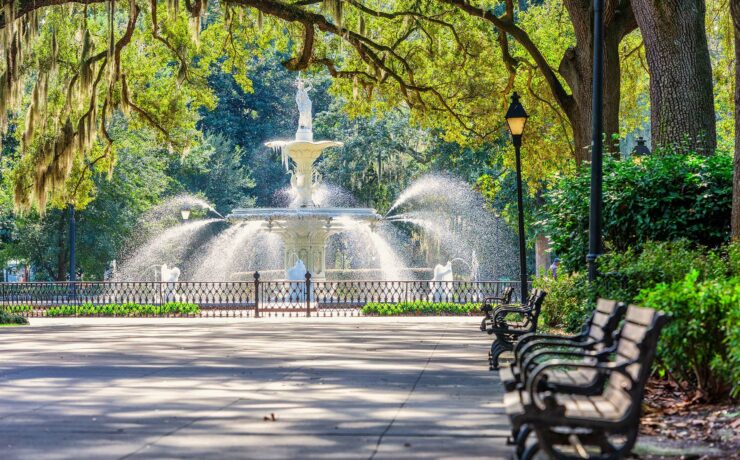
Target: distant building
x=16, y=271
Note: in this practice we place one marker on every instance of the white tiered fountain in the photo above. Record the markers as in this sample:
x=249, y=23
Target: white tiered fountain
x=304, y=227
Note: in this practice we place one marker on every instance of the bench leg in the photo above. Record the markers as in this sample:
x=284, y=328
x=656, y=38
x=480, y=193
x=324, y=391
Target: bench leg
x=521, y=440
x=493, y=355
x=531, y=451
x=497, y=347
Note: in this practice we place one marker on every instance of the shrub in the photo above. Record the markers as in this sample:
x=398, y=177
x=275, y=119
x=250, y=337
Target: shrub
x=732, y=328
x=420, y=307
x=8, y=318
x=661, y=198
x=126, y=309
x=567, y=302
x=696, y=346
x=631, y=271
x=16, y=308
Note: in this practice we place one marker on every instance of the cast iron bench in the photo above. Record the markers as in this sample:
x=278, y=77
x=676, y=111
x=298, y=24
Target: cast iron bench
x=593, y=342
x=602, y=425
x=507, y=331
x=490, y=303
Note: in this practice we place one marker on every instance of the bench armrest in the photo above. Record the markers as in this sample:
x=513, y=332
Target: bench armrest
x=535, y=358
x=540, y=372
x=498, y=327
x=501, y=313
x=534, y=346
x=525, y=340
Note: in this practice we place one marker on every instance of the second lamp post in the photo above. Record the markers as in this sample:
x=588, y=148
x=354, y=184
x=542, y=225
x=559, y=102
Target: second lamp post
x=516, y=119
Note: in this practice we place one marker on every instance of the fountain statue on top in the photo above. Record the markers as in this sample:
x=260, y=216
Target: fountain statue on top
x=305, y=118
x=303, y=150
x=304, y=227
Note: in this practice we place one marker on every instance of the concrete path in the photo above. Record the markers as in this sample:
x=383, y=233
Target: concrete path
x=344, y=388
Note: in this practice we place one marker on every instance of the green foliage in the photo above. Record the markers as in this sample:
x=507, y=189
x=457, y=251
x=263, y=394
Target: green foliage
x=125, y=309
x=629, y=272
x=567, y=302
x=696, y=346
x=732, y=342
x=7, y=318
x=420, y=307
x=15, y=308
x=217, y=170
x=660, y=198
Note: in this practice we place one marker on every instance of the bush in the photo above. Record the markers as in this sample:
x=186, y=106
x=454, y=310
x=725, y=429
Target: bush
x=420, y=307
x=567, y=302
x=8, y=318
x=126, y=309
x=16, y=308
x=697, y=345
x=660, y=198
x=629, y=272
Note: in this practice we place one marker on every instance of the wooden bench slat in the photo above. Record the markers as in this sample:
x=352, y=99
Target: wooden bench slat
x=606, y=306
x=640, y=315
x=600, y=319
x=633, y=332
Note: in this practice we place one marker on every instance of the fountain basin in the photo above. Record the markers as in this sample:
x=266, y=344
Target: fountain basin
x=305, y=231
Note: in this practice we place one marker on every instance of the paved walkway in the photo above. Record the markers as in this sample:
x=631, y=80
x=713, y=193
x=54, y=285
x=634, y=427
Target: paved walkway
x=207, y=388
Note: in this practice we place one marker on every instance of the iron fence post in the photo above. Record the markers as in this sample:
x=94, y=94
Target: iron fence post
x=308, y=294
x=256, y=294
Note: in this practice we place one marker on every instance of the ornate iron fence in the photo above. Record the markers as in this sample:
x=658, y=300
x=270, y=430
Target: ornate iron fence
x=237, y=298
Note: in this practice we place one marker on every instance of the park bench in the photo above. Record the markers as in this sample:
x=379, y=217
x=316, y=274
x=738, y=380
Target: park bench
x=507, y=331
x=490, y=303
x=602, y=425
x=594, y=342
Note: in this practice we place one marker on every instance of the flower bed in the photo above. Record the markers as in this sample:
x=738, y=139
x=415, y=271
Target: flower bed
x=125, y=309
x=420, y=307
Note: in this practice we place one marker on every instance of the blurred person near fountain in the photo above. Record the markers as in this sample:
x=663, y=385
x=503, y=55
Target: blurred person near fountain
x=554, y=268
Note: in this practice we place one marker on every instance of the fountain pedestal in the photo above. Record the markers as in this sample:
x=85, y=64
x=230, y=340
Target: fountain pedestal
x=304, y=154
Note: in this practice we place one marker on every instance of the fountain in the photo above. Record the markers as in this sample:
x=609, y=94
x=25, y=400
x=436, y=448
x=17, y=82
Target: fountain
x=437, y=218
x=304, y=228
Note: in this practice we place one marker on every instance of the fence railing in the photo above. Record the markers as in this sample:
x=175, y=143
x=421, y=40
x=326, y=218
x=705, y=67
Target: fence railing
x=243, y=298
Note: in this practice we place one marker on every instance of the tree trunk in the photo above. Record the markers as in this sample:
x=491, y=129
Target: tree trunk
x=735, y=9
x=61, y=274
x=576, y=68
x=681, y=97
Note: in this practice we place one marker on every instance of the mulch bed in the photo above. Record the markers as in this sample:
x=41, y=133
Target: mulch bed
x=677, y=419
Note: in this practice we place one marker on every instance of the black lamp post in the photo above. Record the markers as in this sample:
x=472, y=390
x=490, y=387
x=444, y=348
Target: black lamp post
x=72, y=243
x=594, y=227
x=516, y=119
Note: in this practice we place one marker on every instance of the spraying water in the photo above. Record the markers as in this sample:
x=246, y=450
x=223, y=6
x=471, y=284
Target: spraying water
x=168, y=247
x=225, y=251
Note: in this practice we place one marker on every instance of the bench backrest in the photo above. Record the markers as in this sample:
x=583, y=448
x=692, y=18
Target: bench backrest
x=506, y=295
x=538, y=298
x=603, y=322
x=636, y=348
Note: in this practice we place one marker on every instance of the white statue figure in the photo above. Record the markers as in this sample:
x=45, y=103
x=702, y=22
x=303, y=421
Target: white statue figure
x=297, y=272
x=169, y=276
x=442, y=283
x=305, y=120
x=297, y=277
